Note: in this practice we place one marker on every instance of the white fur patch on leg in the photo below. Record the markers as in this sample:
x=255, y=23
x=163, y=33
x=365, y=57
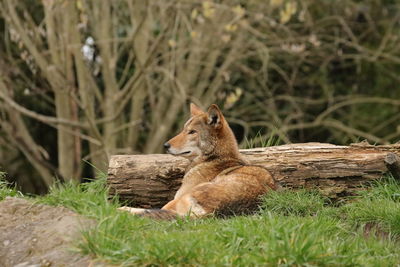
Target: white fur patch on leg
x=132, y=210
x=195, y=209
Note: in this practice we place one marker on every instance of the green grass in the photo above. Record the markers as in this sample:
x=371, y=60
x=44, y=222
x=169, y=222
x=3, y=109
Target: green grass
x=6, y=189
x=380, y=207
x=261, y=140
x=298, y=203
x=292, y=229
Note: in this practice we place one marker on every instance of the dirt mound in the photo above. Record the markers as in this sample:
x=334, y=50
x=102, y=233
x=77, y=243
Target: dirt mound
x=38, y=235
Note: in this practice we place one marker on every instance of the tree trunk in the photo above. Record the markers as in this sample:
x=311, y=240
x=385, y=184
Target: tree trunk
x=150, y=181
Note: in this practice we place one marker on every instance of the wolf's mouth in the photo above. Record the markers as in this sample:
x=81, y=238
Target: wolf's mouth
x=169, y=151
x=178, y=154
x=183, y=153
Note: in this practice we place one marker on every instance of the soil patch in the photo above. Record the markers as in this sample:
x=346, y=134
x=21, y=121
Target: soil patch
x=39, y=235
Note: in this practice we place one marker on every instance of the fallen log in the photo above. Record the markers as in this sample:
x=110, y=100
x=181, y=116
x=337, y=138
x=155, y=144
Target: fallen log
x=150, y=181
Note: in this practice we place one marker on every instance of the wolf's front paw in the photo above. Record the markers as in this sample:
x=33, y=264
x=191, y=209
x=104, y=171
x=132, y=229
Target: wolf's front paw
x=131, y=210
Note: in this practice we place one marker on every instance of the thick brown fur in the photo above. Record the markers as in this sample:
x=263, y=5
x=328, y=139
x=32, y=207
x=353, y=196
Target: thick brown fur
x=218, y=180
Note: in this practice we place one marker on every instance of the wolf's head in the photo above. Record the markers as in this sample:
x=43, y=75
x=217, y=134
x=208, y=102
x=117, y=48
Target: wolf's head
x=205, y=134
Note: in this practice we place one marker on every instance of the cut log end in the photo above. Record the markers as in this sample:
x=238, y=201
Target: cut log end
x=393, y=164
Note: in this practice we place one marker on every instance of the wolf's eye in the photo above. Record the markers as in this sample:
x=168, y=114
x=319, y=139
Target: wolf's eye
x=192, y=132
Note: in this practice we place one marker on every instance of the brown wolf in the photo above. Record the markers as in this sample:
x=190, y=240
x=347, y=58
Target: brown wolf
x=218, y=180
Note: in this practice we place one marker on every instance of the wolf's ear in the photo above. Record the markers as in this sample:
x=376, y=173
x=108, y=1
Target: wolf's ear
x=195, y=110
x=214, y=116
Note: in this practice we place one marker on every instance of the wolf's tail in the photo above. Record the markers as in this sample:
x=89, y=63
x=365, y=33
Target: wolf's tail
x=158, y=214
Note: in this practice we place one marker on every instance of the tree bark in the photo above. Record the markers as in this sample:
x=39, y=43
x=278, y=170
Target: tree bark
x=150, y=181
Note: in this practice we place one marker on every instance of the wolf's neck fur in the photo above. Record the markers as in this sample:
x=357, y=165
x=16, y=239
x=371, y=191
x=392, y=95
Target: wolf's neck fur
x=223, y=155
x=225, y=149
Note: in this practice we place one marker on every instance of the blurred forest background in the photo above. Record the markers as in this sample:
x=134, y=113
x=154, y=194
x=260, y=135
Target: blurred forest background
x=81, y=80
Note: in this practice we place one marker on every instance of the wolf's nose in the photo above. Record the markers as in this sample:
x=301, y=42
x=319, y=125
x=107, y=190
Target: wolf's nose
x=167, y=145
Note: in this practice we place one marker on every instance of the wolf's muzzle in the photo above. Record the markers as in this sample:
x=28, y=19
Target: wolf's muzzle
x=167, y=145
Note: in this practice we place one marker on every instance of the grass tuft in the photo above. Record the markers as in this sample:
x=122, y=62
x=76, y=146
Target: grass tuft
x=379, y=206
x=298, y=203
x=261, y=140
x=90, y=199
x=6, y=190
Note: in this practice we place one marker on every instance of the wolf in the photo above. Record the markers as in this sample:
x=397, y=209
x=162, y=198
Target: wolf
x=218, y=180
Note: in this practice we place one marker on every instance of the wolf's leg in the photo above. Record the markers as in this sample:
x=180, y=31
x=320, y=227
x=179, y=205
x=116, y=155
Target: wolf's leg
x=157, y=214
x=183, y=206
x=186, y=205
x=132, y=210
x=166, y=213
